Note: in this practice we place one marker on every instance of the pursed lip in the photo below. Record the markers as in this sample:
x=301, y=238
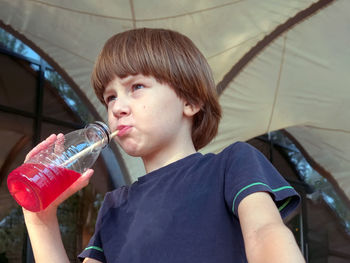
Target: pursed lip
x=123, y=129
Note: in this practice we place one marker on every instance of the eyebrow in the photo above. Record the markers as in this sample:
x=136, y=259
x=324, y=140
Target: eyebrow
x=130, y=78
x=126, y=81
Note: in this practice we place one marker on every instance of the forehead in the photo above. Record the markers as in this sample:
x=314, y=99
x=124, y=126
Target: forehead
x=127, y=81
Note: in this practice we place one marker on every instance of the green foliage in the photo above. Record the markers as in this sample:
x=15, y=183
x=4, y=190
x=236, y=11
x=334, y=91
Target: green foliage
x=12, y=43
x=12, y=231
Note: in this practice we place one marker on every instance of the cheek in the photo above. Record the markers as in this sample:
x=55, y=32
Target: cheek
x=111, y=119
x=155, y=114
x=148, y=111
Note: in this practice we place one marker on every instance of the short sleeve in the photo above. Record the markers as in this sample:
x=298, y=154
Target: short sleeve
x=248, y=171
x=95, y=247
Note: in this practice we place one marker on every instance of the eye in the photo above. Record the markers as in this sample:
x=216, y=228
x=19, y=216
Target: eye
x=110, y=98
x=137, y=86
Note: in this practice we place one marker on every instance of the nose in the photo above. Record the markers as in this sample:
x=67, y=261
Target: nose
x=121, y=107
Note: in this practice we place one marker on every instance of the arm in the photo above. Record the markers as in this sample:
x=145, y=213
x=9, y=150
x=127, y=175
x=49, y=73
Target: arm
x=45, y=236
x=43, y=228
x=266, y=238
x=90, y=260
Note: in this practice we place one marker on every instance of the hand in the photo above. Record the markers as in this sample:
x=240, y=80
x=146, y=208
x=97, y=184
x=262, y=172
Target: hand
x=57, y=142
x=49, y=213
x=43, y=227
x=79, y=184
x=59, y=139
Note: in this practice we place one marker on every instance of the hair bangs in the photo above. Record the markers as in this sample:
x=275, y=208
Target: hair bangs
x=128, y=55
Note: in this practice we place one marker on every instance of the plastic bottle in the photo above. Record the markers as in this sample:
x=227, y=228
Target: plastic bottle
x=47, y=174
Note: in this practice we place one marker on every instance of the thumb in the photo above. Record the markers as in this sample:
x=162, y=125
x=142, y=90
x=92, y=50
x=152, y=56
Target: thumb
x=84, y=179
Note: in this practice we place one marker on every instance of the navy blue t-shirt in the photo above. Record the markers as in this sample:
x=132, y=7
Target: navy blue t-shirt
x=187, y=210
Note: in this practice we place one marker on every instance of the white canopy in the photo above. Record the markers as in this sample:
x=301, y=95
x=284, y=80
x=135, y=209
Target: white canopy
x=278, y=64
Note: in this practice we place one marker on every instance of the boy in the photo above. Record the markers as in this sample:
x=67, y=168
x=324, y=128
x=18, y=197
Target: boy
x=189, y=207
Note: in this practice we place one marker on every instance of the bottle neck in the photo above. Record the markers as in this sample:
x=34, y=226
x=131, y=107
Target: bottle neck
x=97, y=133
x=105, y=129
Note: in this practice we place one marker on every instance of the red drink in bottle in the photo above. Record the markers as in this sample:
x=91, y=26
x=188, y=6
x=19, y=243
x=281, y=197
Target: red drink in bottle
x=35, y=186
x=50, y=171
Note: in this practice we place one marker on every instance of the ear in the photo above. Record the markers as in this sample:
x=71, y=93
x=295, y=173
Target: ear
x=190, y=109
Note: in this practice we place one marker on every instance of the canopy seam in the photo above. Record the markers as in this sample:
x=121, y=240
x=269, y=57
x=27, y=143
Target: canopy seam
x=327, y=129
x=132, y=9
x=278, y=84
x=133, y=19
x=252, y=53
x=234, y=46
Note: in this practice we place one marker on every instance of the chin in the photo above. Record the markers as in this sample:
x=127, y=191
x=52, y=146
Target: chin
x=132, y=151
x=136, y=149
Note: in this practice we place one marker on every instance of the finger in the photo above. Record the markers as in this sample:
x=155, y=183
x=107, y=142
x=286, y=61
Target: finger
x=59, y=144
x=84, y=179
x=43, y=145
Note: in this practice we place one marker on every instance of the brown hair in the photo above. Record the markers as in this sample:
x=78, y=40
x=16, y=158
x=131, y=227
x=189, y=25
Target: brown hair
x=171, y=58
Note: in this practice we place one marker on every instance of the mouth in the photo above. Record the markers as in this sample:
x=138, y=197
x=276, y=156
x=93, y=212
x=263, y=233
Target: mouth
x=123, y=129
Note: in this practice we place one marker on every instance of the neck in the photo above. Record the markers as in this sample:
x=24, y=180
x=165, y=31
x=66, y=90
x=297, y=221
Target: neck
x=168, y=156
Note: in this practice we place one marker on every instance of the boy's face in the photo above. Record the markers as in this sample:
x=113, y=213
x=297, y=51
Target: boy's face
x=151, y=118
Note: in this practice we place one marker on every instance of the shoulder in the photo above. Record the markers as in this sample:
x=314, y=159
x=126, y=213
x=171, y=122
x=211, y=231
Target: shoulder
x=240, y=154
x=240, y=148
x=230, y=156
x=117, y=196
x=245, y=155
x=114, y=198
